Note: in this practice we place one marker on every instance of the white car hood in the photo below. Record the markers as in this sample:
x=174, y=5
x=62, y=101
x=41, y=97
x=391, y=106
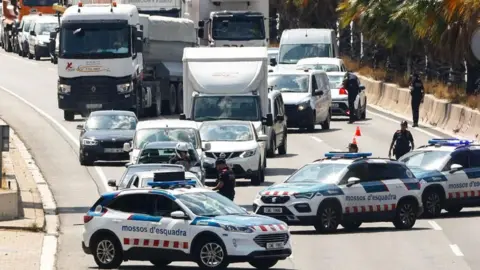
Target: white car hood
x=282, y=67
x=229, y=146
x=44, y=38
x=295, y=98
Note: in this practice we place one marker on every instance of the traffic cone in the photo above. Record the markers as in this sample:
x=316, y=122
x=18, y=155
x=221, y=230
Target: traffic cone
x=354, y=141
x=357, y=132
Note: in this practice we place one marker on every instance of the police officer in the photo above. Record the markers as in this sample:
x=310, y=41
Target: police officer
x=352, y=85
x=402, y=139
x=353, y=148
x=226, y=180
x=417, y=92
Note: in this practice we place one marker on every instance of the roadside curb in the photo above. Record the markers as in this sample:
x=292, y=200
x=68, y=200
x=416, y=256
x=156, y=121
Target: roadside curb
x=52, y=222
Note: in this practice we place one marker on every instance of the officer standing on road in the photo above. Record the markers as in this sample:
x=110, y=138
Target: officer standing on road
x=352, y=85
x=226, y=180
x=417, y=92
x=401, y=140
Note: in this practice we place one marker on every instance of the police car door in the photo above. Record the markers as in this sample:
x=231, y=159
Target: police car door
x=473, y=173
x=355, y=195
x=458, y=183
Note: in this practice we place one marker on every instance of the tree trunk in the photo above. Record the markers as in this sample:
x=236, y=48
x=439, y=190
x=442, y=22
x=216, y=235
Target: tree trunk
x=356, y=41
x=345, y=41
x=473, y=78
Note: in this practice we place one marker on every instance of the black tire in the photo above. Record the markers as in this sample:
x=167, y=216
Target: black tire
x=256, y=179
x=351, y=225
x=203, y=247
x=30, y=56
x=432, y=201
x=263, y=263
x=172, y=101
x=68, y=115
x=454, y=209
x=55, y=60
x=272, y=148
x=180, y=98
x=85, y=161
x=139, y=102
x=106, y=241
x=160, y=263
x=282, y=149
x=328, y=218
x=364, y=112
x=406, y=214
x=35, y=55
x=311, y=127
x=326, y=123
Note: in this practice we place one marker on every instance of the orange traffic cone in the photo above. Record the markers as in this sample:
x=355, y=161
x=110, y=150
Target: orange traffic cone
x=357, y=132
x=354, y=141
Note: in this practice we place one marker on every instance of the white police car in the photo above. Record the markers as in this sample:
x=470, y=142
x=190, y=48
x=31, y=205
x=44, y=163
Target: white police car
x=346, y=189
x=449, y=171
x=175, y=222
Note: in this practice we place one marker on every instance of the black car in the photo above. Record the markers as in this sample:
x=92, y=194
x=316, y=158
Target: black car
x=103, y=135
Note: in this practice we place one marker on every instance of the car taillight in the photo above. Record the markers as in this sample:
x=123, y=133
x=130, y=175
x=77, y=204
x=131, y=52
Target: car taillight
x=343, y=91
x=87, y=218
x=348, y=112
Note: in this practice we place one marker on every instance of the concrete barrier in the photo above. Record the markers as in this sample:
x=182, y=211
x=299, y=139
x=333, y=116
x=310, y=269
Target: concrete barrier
x=9, y=196
x=440, y=113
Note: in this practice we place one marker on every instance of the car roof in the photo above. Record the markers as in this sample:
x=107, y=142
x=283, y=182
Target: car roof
x=296, y=72
x=167, y=123
x=164, y=144
x=319, y=60
x=113, y=112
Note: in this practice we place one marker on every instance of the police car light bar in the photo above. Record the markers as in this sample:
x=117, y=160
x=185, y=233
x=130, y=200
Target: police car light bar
x=170, y=184
x=346, y=155
x=450, y=142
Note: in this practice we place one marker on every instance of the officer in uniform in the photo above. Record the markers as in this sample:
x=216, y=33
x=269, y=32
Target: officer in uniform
x=226, y=180
x=353, y=148
x=402, y=139
x=351, y=84
x=417, y=92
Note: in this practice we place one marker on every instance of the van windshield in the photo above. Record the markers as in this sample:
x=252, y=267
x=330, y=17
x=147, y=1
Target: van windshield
x=207, y=108
x=289, y=83
x=292, y=53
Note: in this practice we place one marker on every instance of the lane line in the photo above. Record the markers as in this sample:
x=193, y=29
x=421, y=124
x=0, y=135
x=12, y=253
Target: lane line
x=98, y=170
x=435, y=225
x=456, y=250
x=316, y=139
x=20, y=59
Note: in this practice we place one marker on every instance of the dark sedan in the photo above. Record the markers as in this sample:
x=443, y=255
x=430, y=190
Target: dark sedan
x=103, y=135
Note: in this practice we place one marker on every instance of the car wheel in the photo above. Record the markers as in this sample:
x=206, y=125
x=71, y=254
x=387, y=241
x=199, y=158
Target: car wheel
x=406, y=215
x=432, y=202
x=108, y=253
x=30, y=56
x=272, y=148
x=263, y=263
x=311, y=127
x=454, y=209
x=35, y=54
x=211, y=254
x=364, y=112
x=351, y=225
x=326, y=123
x=328, y=218
x=68, y=115
x=160, y=263
x=256, y=179
x=282, y=149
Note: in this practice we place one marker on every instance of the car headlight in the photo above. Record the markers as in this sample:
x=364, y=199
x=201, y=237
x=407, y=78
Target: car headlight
x=305, y=195
x=89, y=142
x=124, y=88
x=64, y=89
x=304, y=105
x=242, y=229
x=248, y=153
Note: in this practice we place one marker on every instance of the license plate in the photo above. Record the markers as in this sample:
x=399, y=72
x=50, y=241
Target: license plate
x=272, y=210
x=275, y=245
x=113, y=150
x=94, y=106
x=335, y=105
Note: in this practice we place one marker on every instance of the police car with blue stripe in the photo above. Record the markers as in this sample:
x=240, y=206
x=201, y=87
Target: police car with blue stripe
x=449, y=171
x=173, y=221
x=346, y=189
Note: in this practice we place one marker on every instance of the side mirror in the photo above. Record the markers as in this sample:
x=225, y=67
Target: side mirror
x=201, y=24
x=207, y=146
x=32, y=33
x=268, y=121
x=362, y=87
x=262, y=138
x=455, y=168
x=178, y=215
x=127, y=147
x=273, y=62
x=139, y=45
x=318, y=92
x=352, y=181
x=53, y=35
x=201, y=32
x=182, y=116
x=280, y=118
x=112, y=183
x=80, y=127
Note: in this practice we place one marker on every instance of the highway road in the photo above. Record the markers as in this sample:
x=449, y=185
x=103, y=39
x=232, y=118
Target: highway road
x=28, y=102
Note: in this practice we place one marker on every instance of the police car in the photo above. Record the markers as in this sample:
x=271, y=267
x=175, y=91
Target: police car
x=449, y=171
x=173, y=221
x=346, y=189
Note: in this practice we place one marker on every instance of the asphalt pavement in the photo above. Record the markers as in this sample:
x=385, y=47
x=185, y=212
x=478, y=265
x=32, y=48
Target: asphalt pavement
x=28, y=102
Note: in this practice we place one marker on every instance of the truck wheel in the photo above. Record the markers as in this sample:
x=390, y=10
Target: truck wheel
x=68, y=115
x=172, y=101
x=158, y=101
x=180, y=98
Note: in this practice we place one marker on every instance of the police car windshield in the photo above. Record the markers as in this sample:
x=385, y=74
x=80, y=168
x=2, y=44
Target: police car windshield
x=426, y=160
x=210, y=204
x=326, y=173
x=144, y=136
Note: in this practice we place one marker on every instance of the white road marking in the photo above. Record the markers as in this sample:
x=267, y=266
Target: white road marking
x=456, y=250
x=316, y=139
x=435, y=225
x=49, y=249
x=20, y=59
x=99, y=170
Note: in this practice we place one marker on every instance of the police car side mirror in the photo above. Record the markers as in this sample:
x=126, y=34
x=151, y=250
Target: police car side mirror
x=455, y=168
x=127, y=147
x=352, y=181
x=112, y=183
x=178, y=215
x=207, y=146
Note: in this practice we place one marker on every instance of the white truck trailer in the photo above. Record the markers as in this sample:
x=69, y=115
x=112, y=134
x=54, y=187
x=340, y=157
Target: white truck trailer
x=167, y=8
x=105, y=62
x=229, y=22
x=227, y=83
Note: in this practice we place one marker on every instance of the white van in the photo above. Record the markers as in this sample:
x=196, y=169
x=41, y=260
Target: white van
x=296, y=44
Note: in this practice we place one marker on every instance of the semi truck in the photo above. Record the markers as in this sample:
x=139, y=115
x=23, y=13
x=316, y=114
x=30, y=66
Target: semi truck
x=229, y=22
x=112, y=57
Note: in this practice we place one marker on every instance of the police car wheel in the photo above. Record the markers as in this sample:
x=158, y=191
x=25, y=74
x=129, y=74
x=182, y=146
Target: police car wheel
x=432, y=201
x=263, y=264
x=160, y=263
x=211, y=254
x=406, y=215
x=351, y=225
x=454, y=209
x=108, y=252
x=328, y=218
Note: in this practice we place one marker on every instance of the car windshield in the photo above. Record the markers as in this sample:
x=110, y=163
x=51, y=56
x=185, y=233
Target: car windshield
x=231, y=107
x=335, y=81
x=327, y=173
x=210, y=204
x=292, y=53
x=238, y=28
x=324, y=67
x=163, y=155
x=289, y=83
x=46, y=28
x=111, y=122
x=225, y=132
x=426, y=160
x=145, y=136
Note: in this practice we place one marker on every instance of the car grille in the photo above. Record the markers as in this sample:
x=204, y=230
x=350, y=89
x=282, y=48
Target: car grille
x=291, y=109
x=112, y=144
x=263, y=239
x=228, y=155
x=277, y=200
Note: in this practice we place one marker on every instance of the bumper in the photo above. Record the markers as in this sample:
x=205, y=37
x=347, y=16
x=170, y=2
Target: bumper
x=242, y=167
x=340, y=107
x=42, y=51
x=298, y=118
x=105, y=151
x=293, y=211
x=86, y=249
x=267, y=254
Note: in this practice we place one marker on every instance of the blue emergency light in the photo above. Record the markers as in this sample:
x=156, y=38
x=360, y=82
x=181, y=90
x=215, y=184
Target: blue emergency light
x=346, y=155
x=450, y=142
x=170, y=184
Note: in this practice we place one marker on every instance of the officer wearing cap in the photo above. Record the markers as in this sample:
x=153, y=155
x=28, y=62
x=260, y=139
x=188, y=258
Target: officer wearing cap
x=226, y=180
x=402, y=140
x=353, y=148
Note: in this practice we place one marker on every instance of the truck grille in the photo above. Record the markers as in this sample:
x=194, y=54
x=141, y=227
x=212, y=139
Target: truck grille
x=228, y=155
x=277, y=200
x=263, y=239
